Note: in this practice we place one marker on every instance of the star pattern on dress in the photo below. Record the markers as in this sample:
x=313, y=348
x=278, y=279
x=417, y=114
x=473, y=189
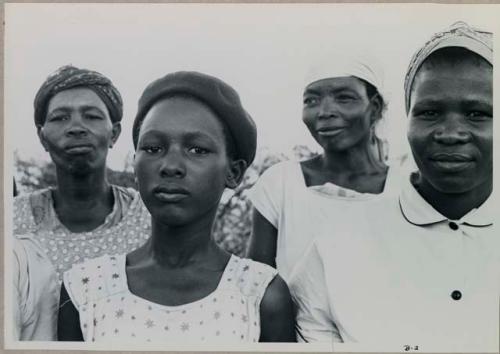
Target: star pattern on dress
x=185, y=326
x=85, y=280
x=245, y=268
x=115, y=276
x=244, y=318
x=119, y=313
x=217, y=315
x=149, y=323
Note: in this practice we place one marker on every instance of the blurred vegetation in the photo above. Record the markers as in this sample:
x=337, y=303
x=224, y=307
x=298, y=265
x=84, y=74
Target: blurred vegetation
x=232, y=227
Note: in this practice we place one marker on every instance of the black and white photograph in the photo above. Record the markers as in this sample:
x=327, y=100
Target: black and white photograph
x=250, y=177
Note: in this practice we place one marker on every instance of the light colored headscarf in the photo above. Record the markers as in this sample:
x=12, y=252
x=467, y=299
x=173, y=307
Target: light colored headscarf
x=361, y=65
x=457, y=35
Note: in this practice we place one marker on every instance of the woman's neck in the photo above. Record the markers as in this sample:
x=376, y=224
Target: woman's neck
x=178, y=246
x=453, y=205
x=77, y=189
x=358, y=159
x=82, y=202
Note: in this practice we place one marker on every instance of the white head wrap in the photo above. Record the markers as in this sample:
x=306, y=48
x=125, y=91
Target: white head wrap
x=458, y=34
x=360, y=65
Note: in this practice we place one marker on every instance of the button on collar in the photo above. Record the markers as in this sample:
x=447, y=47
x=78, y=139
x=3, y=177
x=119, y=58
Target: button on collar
x=453, y=225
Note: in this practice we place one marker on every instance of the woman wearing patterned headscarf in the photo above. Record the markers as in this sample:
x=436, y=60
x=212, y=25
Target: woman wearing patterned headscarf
x=77, y=117
x=343, y=102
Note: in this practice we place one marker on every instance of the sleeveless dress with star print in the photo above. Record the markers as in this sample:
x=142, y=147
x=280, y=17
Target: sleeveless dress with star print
x=110, y=312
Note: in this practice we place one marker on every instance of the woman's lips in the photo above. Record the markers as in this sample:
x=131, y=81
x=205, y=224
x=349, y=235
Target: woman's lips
x=451, y=162
x=170, y=197
x=330, y=131
x=170, y=194
x=78, y=149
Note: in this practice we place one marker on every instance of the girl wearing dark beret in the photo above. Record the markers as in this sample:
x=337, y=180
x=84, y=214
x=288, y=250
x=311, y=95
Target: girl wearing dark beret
x=77, y=117
x=193, y=139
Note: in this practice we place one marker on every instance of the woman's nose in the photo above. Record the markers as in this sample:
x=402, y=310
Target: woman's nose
x=327, y=108
x=452, y=131
x=173, y=164
x=76, y=127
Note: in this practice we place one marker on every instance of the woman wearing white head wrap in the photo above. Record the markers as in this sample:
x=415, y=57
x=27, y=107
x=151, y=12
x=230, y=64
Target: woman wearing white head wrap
x=343, y=101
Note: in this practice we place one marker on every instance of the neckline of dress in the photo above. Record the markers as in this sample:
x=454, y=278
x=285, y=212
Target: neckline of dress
x=185, y=306
x=355, y=194
x=95, y=231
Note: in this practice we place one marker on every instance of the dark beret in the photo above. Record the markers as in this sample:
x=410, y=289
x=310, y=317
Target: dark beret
x=68, y=77
x=213, y=92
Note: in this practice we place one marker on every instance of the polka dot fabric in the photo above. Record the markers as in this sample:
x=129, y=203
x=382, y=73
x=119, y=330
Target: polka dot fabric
x=110, y=312
x=126, y=228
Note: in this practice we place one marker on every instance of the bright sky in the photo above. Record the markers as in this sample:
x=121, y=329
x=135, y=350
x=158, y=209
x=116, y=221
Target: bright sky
x=262, y=50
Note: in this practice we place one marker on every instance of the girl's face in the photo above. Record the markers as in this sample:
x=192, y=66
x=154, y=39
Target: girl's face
x=338, y=112
x=181, y=162
x=78, y=131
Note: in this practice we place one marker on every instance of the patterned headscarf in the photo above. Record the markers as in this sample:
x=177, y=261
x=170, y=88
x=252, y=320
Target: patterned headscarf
x=68, y=77
x=458, y=35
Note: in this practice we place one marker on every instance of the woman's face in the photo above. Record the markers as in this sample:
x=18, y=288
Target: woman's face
x=451, y=126
x=78, y=131
x=181, y=162
x=338, y=112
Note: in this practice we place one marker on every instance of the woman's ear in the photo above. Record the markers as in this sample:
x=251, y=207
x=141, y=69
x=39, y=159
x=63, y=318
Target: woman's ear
x=115, y=133
x=135, y=171
x=39, y=132
x=235, y=173
x=377, y=104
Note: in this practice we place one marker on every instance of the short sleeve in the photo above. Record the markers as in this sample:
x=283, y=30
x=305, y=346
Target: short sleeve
x=36, y=291
x=314, y=322
x=23, y=217
x=20, y=287
x=82, y=279
x=267, y=196
x=254, y=278
x=94, y=279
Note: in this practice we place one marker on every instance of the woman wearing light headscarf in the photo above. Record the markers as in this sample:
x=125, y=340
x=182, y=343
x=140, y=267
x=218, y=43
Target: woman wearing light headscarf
x=77, y=117
x=420, y=271
x=343, y=103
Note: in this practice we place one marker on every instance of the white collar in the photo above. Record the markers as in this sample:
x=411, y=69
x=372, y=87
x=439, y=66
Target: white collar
x=418, y=211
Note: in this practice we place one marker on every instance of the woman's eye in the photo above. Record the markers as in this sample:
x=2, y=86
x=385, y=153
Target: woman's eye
x=152, y=149
x=478, y=115
x=428, y=114
x=198, y=150
x=58, y=118
x=93, y=116
x=309, y=101
x=345, y=98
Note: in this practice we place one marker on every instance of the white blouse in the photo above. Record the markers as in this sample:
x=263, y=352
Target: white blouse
x=296, y=211
x=403, y=275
